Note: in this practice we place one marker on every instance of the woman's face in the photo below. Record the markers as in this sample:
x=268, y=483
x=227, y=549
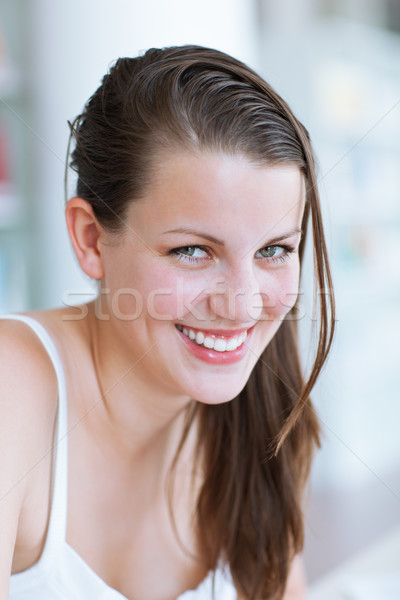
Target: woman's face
x=205, y=272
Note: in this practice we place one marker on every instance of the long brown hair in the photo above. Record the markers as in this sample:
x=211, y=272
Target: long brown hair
x=256, y=449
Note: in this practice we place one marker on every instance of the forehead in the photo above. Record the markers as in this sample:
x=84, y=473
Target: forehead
x=221, y=190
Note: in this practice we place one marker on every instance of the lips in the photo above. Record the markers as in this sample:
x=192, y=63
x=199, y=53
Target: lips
x=217, y=347
x=219, y=342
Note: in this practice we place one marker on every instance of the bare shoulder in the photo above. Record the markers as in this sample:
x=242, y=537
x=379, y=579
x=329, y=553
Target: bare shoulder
x=28, y=381
x=28, y=405
x=25, y=366
x=28, y=395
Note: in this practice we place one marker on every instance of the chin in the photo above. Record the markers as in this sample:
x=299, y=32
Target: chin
x=225, y=390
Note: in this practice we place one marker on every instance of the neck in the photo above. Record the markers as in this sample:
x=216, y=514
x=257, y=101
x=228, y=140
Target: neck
x=138, y=420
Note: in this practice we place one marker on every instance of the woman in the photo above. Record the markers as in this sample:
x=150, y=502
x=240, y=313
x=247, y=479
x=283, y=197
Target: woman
x=189, y=430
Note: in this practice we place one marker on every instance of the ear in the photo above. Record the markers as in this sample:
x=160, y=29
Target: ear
x=84, y=232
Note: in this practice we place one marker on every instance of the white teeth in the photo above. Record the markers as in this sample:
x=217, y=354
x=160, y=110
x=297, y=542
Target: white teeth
x=218, y=344
x=208, y=342
x=199, y=337
x=232, y=344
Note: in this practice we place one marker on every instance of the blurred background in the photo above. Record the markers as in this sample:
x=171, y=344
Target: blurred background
x=337, y=63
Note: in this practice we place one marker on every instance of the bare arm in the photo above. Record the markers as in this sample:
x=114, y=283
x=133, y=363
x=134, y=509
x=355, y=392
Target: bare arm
x=296, y=585
x=26, y=422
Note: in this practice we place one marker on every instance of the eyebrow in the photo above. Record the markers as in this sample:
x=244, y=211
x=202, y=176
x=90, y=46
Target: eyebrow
x=215, y=240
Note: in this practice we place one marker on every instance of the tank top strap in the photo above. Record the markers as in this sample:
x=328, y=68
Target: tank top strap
x=56, y=533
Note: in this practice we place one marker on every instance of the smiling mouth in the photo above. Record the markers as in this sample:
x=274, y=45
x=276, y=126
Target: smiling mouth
x=218, y=343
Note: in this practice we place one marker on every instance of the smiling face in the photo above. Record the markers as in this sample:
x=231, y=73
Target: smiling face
x=205, y=272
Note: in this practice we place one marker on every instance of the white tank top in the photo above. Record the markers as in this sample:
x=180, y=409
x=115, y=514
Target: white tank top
x=60, y=573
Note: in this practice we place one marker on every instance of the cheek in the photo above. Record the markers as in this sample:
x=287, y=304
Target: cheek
x=146, y=289
x=170, y=296
x=282, y=293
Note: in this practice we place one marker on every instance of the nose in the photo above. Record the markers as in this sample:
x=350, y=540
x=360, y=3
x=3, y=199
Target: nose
x=236, y=294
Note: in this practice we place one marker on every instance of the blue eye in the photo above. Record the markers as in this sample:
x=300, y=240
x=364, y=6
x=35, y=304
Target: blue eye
x=275, y=253
x=190, y=253
x=199, y=254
